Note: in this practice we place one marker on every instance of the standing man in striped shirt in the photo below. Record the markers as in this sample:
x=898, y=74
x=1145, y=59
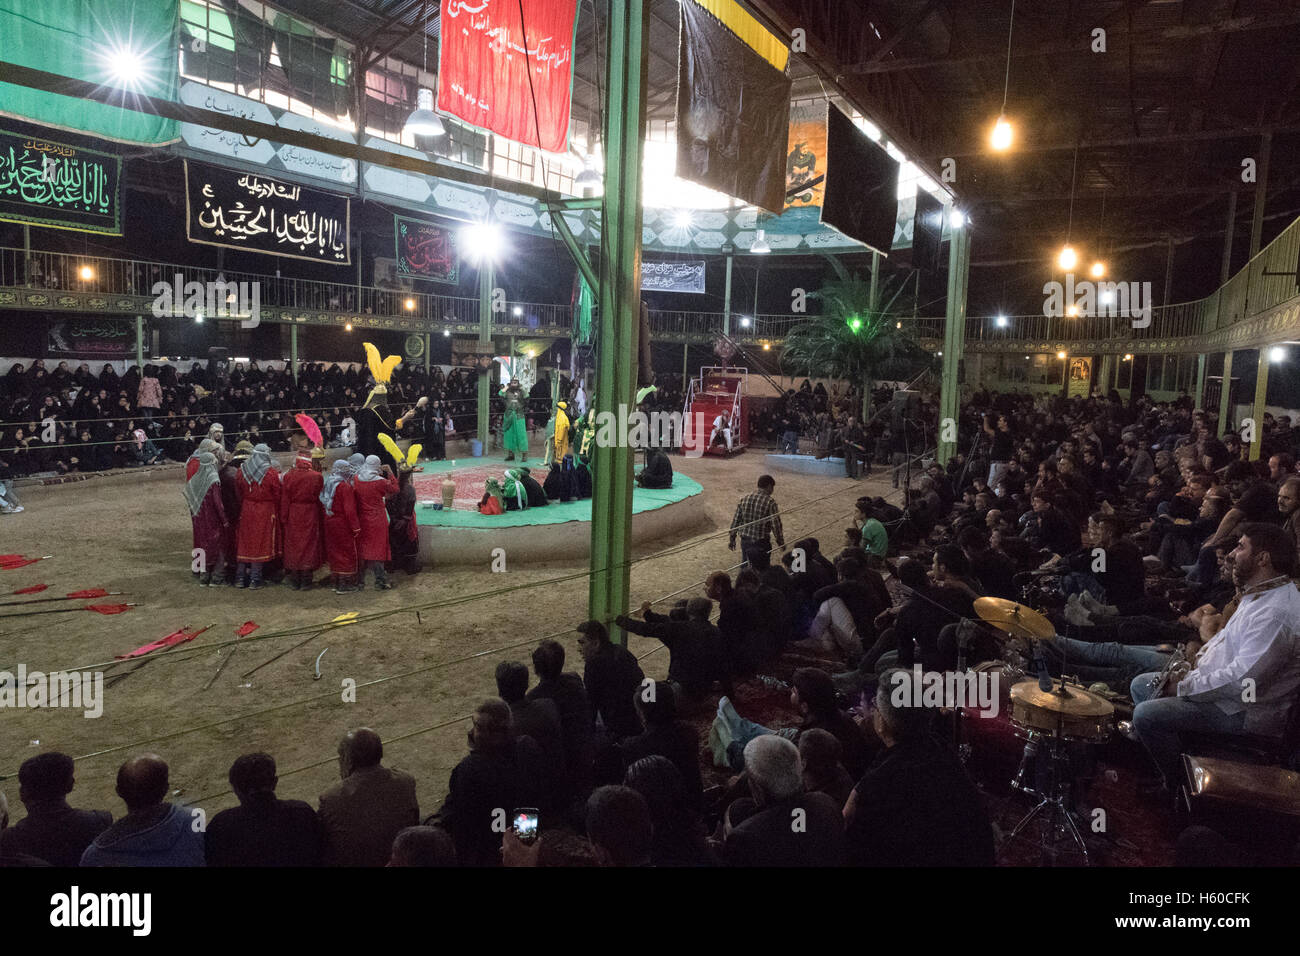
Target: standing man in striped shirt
x=756, y=520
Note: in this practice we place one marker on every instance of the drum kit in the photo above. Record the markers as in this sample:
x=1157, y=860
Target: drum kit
x=1051, y=715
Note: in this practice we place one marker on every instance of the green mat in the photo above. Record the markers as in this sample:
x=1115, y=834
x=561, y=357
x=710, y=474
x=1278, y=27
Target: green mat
x=643, y=499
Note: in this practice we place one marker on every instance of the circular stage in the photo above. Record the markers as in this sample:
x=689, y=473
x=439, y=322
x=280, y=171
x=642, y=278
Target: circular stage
x=559, y=531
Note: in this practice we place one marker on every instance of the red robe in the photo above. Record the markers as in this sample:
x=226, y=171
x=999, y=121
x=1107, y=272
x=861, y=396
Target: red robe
x=372, y=545
x=191, y=467
x=210, y=526
x=304, y=533
x=341, y=531
x=259, y=538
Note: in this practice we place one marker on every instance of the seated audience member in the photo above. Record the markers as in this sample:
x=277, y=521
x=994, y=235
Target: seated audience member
x=1259, y=643
x=736, y=623
x=846, y=611
x=362, y=813
x=1109, y=566
x=819, y=752
x=695, y=653
x=915, y=806
x=665, y=736
x=153, y=832
x=576, y=721
x=620, y=827
x=757, y=830
x=11, y=857
x=538, y=718
x=611, y=676
x=1288, y=506
x=52, y=830
x=501, y=772
x=772, y=615
x=422, y=846
x=993, y=569
x=1050, y=529
x=263, y=830
x=679, y=835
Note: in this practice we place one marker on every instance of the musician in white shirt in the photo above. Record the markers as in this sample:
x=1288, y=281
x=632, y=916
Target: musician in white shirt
x=1245, y=678
x=721, y=426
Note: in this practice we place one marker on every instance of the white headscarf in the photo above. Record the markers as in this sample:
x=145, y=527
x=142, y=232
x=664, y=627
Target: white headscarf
x=340, y=472
x=369, y=470
x=196, y=489
x=258, y=463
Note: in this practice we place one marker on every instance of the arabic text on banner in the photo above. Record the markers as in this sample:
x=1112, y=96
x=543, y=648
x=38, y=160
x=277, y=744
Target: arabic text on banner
x=484, y=61
x=672, y=276
x=226, y=207
x=66, y=187
x=425, y=250
x=91, y=336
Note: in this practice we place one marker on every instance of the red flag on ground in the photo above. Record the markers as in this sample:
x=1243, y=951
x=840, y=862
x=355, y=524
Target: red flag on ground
x=20, y=563
x=248, y=627
x=483, y=71
x=175, y=637
x=88, y=593
x=108, y=608
x=32, y=589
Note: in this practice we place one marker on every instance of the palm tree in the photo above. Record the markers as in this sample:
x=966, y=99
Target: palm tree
x=851, y=340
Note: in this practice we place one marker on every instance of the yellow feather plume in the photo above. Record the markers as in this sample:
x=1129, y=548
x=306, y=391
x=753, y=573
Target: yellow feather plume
x=413, y=455
x=380, y=369
x=390, y=446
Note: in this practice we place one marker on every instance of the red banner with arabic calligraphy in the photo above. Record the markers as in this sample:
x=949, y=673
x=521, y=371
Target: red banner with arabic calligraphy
x=485, y=59
x=425, y=251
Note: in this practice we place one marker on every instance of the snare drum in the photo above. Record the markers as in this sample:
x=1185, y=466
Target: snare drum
x=1079, y=714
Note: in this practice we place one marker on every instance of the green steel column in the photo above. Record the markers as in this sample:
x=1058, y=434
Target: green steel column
x=1200, y=379
x=485, y=281
x=139, y=341
x=954, y=334
x=1106, y=374
x=620, y=303
x=293, y=350
x=1261, y=395
x=1224, y=424
x=428, y=359
x=685, y=370
x=726, y=300
x=875, y=280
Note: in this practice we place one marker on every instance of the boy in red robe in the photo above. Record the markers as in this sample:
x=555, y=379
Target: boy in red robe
x=208, y=517
x=304, y=533
x=259, y=538
x=339, y=503
x=374, y=484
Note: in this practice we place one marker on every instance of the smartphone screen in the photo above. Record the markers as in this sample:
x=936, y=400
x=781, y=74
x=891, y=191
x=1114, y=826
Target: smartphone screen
x=525, y=824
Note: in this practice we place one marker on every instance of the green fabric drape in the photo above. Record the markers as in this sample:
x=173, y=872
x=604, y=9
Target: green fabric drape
x=78, y=38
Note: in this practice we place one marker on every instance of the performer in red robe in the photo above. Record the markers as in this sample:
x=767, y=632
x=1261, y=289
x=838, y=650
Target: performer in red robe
x=372, y=488
x=208, y=517
x=229, y=473
x=259, y=538
x=192, y=463
x=341, y=527
x=304, y=532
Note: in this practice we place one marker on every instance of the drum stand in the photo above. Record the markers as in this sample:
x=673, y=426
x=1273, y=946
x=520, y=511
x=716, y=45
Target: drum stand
x=1059, y=791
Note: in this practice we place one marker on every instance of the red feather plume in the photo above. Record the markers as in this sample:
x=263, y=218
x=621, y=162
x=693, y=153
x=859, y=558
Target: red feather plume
x=312, y=430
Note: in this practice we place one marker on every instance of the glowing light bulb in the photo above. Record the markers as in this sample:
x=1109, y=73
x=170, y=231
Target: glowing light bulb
x=1098, y=269
x=1068, y=258
x=1002, y=134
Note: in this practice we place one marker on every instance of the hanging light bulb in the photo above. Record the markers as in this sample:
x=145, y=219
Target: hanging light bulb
x=1098, y=269
x=424, y=121
x=589, y=176
x=760, y=246
x=1068, y=258
x=1003, y=134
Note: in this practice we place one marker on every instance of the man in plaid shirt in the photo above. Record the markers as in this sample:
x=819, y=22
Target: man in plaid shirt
x=755, y=521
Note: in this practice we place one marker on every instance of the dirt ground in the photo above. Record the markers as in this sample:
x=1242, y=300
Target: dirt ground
x=131, y=533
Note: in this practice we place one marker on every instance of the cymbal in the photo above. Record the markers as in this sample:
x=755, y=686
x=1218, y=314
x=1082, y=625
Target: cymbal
x=1076, y=701
x=1015, y=619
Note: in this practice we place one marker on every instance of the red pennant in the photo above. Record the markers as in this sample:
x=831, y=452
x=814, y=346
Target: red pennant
x=6, y=558
x=176, y=637
x=33, y=589
x=248, y=627
x=14, y=565
x=108, y=608
x=88, y=593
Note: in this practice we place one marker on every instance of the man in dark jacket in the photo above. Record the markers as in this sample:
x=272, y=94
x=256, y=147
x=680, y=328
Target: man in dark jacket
x=538, y=718
x=576, y=720
x=153, y=832
x=612, y=678
x=52, y=830
x=695, y=653
x=263, y=830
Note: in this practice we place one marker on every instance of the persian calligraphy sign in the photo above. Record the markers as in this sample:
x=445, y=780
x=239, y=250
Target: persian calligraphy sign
x=226, y=207
x=672, y=276
x=64, y=187
x=425, y=251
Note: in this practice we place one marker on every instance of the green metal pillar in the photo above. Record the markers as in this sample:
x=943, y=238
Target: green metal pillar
x=1106, y=374
x=1200, y=380
x=1261, y=396
x=428, y=358
x=485, y=282
x=726, y=299
x=686, y=374
x=27, y=255
x=139, y=341
x=875, y=280
x=293, y=350
x=1224, y=424
x=620, y=303
x=954, y=336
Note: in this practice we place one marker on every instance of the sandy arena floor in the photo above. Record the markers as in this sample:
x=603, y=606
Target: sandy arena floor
x=131, y=533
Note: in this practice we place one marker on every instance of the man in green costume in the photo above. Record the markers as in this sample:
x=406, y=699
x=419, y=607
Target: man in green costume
x=514, y=428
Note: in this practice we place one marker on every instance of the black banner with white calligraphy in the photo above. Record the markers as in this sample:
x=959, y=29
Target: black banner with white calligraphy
x=425, y=251
x=65, y=187
x=672, y=276
x=91, y=335
x=226, y=207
